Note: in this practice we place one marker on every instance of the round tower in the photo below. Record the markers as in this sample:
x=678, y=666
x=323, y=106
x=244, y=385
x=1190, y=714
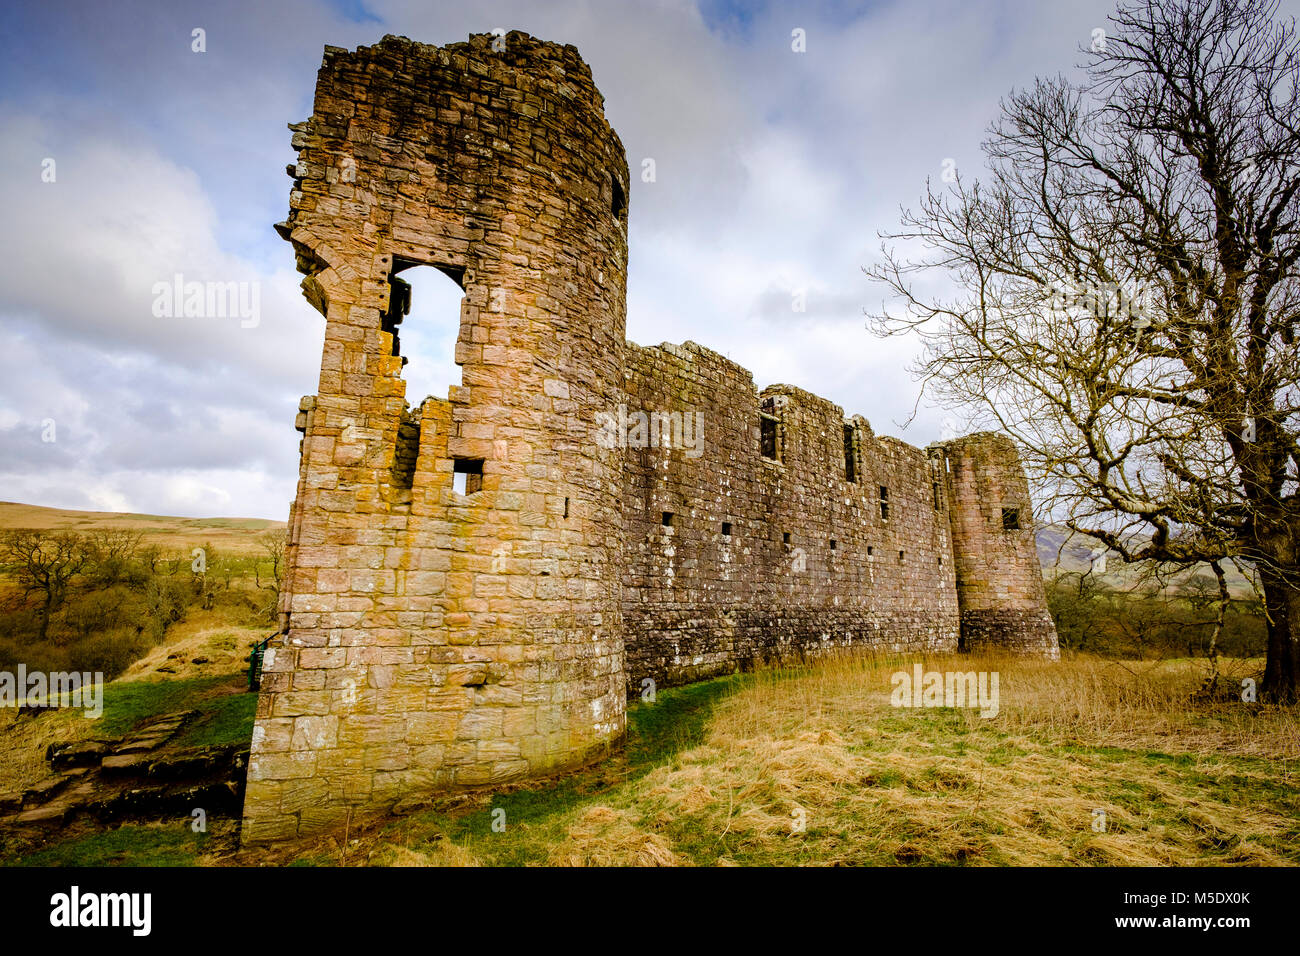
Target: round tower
x=450, y=615
x=1000, y=592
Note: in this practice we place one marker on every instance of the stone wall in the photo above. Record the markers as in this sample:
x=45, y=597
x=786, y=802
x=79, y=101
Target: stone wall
x=809, y=562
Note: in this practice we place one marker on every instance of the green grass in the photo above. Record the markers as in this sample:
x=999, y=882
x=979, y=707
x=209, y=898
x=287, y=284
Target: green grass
x=222, y=721
x=226, y=717
x=676, y=721
x=172, y=844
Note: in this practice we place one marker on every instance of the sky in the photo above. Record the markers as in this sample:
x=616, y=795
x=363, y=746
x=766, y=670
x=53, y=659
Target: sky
x=128, y=157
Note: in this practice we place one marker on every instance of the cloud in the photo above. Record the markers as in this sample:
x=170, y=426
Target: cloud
x=774, y=172
x=129, y=392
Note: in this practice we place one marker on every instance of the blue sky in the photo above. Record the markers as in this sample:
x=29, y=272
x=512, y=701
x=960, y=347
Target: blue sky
x=775, y=172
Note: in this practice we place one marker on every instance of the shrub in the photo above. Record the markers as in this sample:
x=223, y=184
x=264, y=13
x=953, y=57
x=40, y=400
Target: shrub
x=111, y=652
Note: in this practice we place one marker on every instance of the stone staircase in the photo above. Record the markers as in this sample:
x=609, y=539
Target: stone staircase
x=135, y=776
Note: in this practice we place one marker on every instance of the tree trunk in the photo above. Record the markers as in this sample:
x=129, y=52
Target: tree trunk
x=1282, y=602
x=45, y=615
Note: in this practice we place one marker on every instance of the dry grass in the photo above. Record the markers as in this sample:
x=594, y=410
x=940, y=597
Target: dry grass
x=26, y=739
x=1142, y=704
x=816, y=767
x=602, y=836
x=439, y=854
x=213, y=637
x=872, y=783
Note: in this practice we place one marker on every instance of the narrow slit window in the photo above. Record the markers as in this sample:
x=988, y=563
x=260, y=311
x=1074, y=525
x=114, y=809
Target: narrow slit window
x=850, y=455
x=767, y=435
x=467, y=475
x=832, y=544
x=884, y=503
x=900, y=557
x=726, y=529
x=870, y=550
x=1010, y=519
x=566, y=507
x=617, y=201
x=668, y=519
x=785, y=537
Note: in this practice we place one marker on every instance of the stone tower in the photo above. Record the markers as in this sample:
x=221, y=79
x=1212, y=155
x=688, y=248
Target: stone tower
x=433, y=635
x=1000, y=592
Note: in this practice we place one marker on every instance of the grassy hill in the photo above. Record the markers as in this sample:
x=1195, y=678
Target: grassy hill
x=1058, y=550
x=1062, y=552
x=234, y=535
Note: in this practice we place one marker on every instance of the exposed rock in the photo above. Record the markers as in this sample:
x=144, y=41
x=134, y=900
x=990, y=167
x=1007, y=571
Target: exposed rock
x=126, y=763
x=44, y=790
x=80, y=753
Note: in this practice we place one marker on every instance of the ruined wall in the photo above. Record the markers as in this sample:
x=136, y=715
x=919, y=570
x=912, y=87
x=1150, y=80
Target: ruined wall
x=999, y=578
x=435, y=637
x=432, y=638
x=809, y=564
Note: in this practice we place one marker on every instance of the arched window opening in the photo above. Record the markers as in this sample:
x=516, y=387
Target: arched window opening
x=424, y=319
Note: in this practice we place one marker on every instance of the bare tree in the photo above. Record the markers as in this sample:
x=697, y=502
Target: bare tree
x=273, y=544
x=111, y=551
x=1129, y=294
x=45, y=564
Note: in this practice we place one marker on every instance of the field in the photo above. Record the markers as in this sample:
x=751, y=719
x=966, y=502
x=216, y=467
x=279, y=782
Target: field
x=180, y=535
x=1087, y=762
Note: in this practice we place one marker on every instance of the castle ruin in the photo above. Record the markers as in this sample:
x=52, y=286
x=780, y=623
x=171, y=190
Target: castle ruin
x=477, y=584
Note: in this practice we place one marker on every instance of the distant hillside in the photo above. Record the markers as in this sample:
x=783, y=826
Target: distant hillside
x=1060, y=552
x=234, y=535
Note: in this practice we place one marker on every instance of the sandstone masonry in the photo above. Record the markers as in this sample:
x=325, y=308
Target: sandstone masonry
x=435, y=635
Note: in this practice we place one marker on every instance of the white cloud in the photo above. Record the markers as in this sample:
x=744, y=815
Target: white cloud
x=775, y=171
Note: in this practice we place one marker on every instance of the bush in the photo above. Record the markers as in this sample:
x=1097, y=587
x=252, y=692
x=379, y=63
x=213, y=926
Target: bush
x=1091, y=616
x=113, y=600
x=110, y=652
x=115, y=607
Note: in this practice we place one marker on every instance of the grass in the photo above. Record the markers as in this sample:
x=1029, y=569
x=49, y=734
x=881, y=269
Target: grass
x=225, y=716
x=814, y=766
x=153, y=844
x=222, y=721
x=794, y=767
x=127, y=704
